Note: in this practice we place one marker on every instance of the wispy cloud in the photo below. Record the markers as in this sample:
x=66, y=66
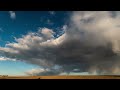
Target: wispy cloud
x=49, y=22
x=1, y=30
x=12, y=14
x=52, y=12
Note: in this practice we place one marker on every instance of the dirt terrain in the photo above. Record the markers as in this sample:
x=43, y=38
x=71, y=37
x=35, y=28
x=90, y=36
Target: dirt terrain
x=60, y=77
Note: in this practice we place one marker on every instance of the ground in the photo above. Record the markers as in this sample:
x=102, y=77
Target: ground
x=60, y=77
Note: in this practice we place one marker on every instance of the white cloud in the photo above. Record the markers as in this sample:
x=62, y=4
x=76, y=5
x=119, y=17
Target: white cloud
x=100, y=25
x=6, y=59
x=41, y=71
x=65, y=27
x=47, y=32
x=32, y=41
x=35, y=71
x=12, y=14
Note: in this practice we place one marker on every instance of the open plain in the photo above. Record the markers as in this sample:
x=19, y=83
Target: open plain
x=62, y=77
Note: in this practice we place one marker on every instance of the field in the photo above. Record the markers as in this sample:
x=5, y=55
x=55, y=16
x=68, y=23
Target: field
x=60, y=77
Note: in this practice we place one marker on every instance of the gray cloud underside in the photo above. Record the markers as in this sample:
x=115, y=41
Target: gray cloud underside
x=91, y=44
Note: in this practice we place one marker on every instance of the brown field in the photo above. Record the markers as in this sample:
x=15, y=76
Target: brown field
x=60, y=77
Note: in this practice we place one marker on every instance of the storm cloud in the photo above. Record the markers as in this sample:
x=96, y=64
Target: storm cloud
x=91, y=43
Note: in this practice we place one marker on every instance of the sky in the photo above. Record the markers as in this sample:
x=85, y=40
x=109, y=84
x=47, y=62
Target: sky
x=59, y=43
x=18, y=23
x=14, y=24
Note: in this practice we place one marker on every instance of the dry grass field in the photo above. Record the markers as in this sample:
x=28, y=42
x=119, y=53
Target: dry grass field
x=61, y=77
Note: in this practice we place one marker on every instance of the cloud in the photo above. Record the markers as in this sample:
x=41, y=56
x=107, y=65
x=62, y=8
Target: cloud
x=34, y=71
x=41, y=71
x=32, y=46
x=1, y=30
x=49, y=22
x=48, y=33
x=12, y=14
x=64, y=28
x=6, y=59
x=90, y=44
x=52, y=12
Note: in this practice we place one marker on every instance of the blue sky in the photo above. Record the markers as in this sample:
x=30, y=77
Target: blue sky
x=29, y=21
x=15, y=68
x=20, y=24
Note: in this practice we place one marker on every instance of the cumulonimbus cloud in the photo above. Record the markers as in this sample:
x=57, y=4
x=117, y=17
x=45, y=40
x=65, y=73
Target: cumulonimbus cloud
x=91, y=44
